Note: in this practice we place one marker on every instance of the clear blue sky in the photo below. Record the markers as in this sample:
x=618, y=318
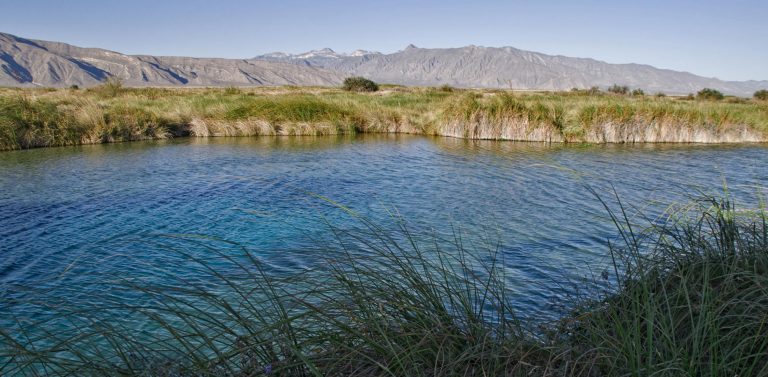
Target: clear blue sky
x=724, y=39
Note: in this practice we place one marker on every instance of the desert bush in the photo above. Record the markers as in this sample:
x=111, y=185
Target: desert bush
x=709, y=94
x=447, y=88
x=761, y=95
x=638, y=92
x=618, y=89
x=111, y=87
x=359, y=84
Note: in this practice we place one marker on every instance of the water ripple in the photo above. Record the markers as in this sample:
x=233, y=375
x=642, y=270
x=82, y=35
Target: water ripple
x=72, y=217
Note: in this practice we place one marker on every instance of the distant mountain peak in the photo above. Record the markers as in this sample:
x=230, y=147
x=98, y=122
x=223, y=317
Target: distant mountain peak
x=410, y=46
x=364, y=52
x=323, y=53
x=275, y=54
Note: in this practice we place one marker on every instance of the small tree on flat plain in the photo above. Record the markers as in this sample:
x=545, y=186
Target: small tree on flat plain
x=761, y=95
x=359, y=84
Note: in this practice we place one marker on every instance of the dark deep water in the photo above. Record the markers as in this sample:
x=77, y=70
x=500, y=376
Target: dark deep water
x=72, y=218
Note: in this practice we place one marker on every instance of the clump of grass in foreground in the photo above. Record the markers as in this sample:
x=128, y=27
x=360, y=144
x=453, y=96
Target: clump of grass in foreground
x=691, y=299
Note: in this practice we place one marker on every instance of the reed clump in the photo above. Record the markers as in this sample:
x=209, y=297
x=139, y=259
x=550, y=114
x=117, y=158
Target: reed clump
x=691, y=299
x=32, y=118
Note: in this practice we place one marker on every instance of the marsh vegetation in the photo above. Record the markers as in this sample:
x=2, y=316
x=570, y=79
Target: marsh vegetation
x=111, y=113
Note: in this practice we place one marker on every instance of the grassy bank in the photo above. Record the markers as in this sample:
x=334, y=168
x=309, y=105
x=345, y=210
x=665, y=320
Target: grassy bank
x=45, y=117
x=687, y=296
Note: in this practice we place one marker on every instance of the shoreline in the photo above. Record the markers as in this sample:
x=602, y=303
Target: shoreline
x=32, y=118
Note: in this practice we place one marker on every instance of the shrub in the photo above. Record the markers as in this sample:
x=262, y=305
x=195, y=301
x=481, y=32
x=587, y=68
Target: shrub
x=111, y=87
x=360, y=84
x=447, y=88
x=709, y=94
x=638, y=92
x=74, y=87
x=730, y=99
x=660, y=94
x=618, y=89
x=761, y=95
x=593, y=91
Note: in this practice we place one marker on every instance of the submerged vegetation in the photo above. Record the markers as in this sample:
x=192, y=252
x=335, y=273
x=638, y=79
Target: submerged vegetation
x=111, y=113
x=687, y=296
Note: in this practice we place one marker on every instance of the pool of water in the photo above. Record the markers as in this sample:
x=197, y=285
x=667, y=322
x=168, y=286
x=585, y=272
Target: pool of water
x=72, y=218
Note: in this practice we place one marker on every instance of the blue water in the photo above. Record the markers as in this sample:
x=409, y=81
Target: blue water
x=74, y=218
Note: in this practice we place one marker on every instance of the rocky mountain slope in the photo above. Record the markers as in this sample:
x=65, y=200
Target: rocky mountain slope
x=25, y=62
x=507, y=67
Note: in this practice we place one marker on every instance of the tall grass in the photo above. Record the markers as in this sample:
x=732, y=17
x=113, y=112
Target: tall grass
x=37, y=117
x=690, y=298
x=577, y=117
x=29, y=122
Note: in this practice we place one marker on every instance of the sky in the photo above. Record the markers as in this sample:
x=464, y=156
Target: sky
x=723, y=39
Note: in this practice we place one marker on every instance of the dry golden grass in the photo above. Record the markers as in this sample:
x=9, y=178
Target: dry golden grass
x=52, y=117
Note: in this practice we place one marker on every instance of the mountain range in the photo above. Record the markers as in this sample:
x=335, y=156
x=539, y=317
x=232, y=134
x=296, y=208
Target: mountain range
x=25, y=62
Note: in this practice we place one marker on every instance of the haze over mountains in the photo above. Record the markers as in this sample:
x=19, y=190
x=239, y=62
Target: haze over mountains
x=26, y=62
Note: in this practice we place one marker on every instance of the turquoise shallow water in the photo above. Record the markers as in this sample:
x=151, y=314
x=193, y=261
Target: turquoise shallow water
x=73, y=218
